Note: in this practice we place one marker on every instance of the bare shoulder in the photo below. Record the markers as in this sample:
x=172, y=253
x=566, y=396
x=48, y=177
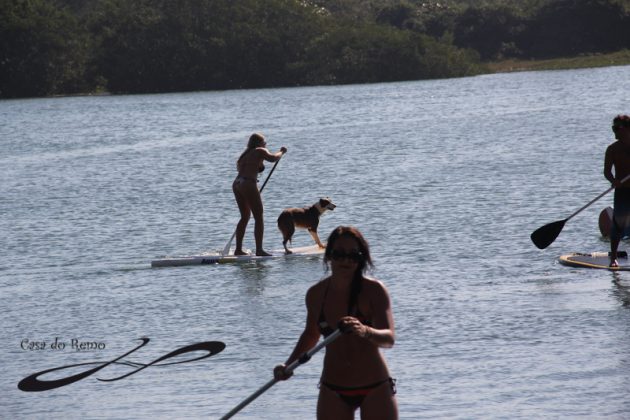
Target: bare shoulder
x=316, y=291
x=613, y=147
x=376, y=295
x=374, y=287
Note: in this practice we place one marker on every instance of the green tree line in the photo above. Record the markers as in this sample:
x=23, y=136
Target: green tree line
x=53, y=47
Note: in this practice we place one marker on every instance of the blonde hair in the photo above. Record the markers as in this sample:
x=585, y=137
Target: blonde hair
x=255, y=140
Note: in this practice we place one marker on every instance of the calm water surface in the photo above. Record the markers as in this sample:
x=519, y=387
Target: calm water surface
x=447, y=179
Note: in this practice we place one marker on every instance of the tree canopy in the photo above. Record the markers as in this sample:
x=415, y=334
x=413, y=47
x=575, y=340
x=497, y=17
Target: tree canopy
x=51, y=47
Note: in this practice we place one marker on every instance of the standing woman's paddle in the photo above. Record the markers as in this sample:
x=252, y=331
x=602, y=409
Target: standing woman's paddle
x=247, y=194
x=545, y=235
x=289, y=369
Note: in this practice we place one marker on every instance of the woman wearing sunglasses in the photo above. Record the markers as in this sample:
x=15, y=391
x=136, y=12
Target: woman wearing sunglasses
x=618, y=157
x=355, y=374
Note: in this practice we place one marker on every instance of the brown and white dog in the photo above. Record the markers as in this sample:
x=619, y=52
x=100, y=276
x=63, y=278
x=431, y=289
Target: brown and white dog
x=306, y=218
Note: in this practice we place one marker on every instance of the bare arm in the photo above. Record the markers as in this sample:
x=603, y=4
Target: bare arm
x=271, y=157
x=308, y=339
x=608, y=165
x=382, y=331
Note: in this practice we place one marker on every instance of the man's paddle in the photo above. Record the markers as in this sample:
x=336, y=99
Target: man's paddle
x=226, y=248
x=301, y=360
x=545, y=235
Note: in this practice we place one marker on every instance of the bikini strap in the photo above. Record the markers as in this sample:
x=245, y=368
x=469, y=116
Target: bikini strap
x=321, y=309
x=355, y=290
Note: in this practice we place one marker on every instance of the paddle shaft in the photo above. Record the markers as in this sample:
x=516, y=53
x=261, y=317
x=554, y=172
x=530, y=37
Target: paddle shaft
x=269, y=176
x=226, y=248
x=595, y=199
x=301, y=360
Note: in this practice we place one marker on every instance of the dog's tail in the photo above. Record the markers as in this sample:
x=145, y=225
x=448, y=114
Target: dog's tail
x=285, y=224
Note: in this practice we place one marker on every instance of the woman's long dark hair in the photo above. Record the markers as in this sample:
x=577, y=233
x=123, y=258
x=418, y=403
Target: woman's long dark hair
x=364, y=264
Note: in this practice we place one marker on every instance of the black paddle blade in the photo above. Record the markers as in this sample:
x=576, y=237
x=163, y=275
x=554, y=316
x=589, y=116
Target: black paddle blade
x=544, y=236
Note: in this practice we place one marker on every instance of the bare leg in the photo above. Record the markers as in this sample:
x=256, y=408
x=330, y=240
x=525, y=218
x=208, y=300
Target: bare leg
x=330, y=406
x=380, y=404
x=615, y=238
x=614, y=244
x=244, y=209
x=259, y=226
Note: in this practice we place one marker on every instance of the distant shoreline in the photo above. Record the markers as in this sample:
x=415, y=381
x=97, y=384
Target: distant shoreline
x=619, y=58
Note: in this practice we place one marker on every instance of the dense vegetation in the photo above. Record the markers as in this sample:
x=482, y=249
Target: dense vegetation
x=50, y=47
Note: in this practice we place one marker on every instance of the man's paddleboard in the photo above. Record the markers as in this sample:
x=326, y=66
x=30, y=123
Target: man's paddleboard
x=217, y=258
x=596, y=260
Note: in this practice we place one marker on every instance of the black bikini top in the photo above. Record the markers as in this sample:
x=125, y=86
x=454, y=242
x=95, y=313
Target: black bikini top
x=260, y=168
x=325, y=329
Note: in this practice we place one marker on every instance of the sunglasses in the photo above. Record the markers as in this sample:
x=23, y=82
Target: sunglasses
x=618, y=127
x=339, y=255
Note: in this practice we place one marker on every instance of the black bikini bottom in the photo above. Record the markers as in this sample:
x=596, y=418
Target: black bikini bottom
x=354, y=396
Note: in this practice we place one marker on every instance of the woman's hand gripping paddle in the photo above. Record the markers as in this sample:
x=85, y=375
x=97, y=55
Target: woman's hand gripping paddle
x=545, y=235
x=301, y=360
x=226, y=248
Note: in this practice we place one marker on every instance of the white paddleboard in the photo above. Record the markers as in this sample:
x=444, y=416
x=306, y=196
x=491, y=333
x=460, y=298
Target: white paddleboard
x=596, y=260
x=217, y=258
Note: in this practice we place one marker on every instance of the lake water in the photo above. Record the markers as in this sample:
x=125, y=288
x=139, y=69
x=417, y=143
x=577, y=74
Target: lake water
x=447, y=179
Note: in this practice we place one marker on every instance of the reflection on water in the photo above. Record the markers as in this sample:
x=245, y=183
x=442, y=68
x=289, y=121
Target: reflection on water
x=621, y=288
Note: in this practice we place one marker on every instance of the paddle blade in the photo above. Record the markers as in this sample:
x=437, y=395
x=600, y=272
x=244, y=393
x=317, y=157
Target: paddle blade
x=544, y=236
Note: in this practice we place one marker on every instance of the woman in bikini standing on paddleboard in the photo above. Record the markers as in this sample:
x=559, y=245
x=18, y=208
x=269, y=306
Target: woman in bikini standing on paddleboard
x=355, y=374
x=246, y=192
